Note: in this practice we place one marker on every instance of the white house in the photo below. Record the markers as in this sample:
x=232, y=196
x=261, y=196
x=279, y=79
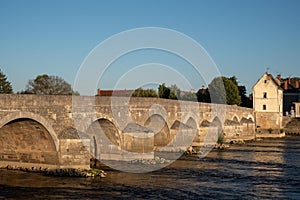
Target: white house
x=268, y=102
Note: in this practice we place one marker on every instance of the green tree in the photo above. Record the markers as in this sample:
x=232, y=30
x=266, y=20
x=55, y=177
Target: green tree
x=223, y=90
x=50, y=85
x=174, y=92
x=234, y=80
x=163, y=91
x=5, y=85
x=245, y=100
x=189, y=96
x=144, y=93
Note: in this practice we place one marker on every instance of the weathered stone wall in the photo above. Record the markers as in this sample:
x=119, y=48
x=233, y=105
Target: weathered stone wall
x=74, y=153
x=51, y=108
x=293, y=127
x=268, y=120
x=57, y=115
x=58, y=111
x=26, y=141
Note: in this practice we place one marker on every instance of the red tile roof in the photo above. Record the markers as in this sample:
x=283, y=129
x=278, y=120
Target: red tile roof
x=119, y=93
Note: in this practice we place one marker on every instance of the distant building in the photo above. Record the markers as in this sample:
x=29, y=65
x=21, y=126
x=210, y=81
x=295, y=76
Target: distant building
x=268, y=102
x=118, y=93
x=182, y=92
x=297, y=109
x=291, y=94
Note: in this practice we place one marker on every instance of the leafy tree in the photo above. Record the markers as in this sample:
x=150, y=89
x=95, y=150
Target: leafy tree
x=144, y=93
x=163, y=91
x=249, y=104
x=189, y=96
x=224, y=90
x=245, y=100
x=51, y=85
x=203, y=95
x=234, y=80
x=174, y=92
x=5, y=85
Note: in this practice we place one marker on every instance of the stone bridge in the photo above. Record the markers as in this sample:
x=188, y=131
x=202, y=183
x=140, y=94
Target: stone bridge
x=65, y=131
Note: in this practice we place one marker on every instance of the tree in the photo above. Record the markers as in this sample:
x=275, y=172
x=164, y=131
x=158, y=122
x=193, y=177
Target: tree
x=234, y=80
x=144, y=93
x=174, y=92
x=203, y=95
x=245, y=100
x=51, y=85
x=224, y=90
x=189, y=96
x=163, y=91
x=5, y=85
x=250, y=104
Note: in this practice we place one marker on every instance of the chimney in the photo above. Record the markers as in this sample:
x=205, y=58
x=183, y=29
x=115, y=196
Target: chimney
x=289, y=80
x=99, y=92
x=278, y=79
x=285, y=84
x=297, y=84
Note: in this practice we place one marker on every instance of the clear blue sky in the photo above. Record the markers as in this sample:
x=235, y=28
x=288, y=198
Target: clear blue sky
x=243, y=37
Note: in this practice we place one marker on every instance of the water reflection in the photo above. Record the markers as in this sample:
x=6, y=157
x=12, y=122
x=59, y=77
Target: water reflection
x=263, y=169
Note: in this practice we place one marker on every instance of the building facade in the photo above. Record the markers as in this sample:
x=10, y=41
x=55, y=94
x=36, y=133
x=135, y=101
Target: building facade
x=291, y=94
x=268, y=102
x=297, y=109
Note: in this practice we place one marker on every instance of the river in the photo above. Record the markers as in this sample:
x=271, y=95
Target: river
x=266, y=169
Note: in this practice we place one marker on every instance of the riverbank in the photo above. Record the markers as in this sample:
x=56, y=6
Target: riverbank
x=60, y=172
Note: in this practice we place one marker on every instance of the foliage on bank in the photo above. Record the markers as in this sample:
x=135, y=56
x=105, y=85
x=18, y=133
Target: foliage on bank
x=61, y=172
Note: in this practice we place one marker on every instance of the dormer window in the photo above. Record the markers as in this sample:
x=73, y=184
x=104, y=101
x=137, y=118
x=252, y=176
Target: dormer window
x=265, y=95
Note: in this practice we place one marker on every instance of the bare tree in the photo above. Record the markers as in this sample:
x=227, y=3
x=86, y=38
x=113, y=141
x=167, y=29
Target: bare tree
x=51, y=85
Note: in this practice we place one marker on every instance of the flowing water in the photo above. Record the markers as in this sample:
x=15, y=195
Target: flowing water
x=267, y=169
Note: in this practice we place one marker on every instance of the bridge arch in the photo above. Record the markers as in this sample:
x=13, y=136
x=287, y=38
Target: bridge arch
x=217, y=122
x=159, y=126
x=31, y=116
x=191, y=119
x=191, y=122
x=251, y=118
x=205, y=123
x=99, y=144
x=235, y=118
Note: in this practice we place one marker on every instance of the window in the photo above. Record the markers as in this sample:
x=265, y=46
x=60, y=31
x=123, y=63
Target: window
x=265, y=81
x=264, y=107
x=265, y=95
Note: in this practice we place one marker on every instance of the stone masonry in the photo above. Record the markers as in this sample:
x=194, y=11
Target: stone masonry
x=61, y=131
